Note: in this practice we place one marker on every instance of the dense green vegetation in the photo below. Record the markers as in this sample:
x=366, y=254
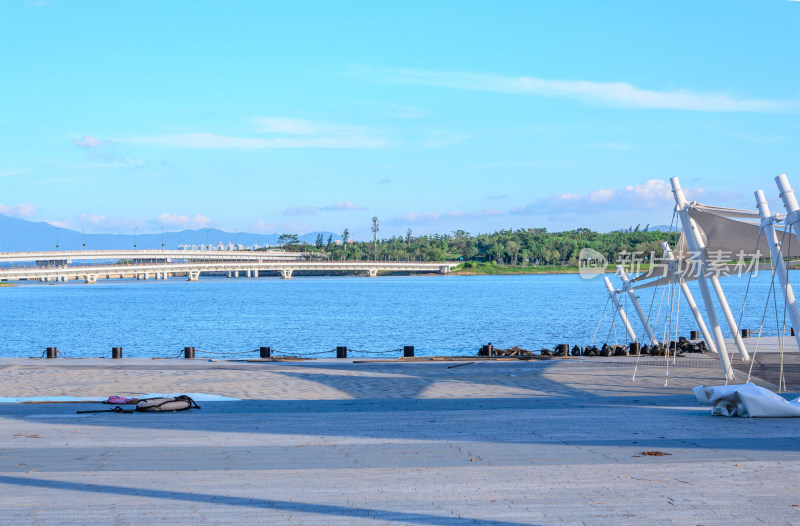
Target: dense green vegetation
x=512, y=250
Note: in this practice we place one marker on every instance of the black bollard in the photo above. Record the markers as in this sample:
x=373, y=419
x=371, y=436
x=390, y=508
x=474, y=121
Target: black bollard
x=341, y=352
x=484, y=351
x=636, y=348
x=408, y=351
x=264, y=352
x=490, y=348
x=188, y=352
x=52, y=352
x=694, y=335
x=745, y=333
x=116, y=352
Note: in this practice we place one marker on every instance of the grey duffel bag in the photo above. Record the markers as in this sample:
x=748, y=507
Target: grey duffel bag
x=177, y=403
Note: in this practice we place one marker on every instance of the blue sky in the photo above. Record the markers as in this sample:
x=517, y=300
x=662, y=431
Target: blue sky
x=435, y=116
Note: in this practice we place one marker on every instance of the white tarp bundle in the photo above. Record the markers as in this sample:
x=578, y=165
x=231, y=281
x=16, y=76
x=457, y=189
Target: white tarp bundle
x=747, y=400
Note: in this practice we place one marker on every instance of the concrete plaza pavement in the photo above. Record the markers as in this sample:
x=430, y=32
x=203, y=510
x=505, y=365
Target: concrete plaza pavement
x=336, y=442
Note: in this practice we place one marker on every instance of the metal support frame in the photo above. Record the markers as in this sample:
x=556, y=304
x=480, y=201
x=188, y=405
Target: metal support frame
x=697, y=246
x=672, y=264
x=613, y=295
x=626, y=287
x=768, y=224
x=791, y=220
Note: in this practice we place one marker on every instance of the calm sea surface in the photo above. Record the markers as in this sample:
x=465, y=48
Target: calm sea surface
x=439, y=315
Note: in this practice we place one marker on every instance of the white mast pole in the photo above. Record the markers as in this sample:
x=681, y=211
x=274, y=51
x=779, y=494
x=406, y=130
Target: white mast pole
x=689, y=298
x=613, y=295
x=626, y=286
x=696, y=245
x=768, y=223
x=726, y=310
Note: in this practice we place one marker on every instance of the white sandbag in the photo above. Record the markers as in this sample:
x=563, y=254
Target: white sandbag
x=748, y=400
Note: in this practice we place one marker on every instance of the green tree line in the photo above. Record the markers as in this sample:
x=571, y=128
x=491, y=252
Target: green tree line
x=522, y=247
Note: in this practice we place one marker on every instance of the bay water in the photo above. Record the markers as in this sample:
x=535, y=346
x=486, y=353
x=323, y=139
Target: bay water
x=310, y=316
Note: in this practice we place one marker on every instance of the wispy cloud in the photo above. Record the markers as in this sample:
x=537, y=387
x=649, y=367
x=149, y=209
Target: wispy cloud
x=87, y=141
x=266, y=227
x=119, y=163
x=343, y=206
x=58, y=223
x=444, y=139
x=423, y=218
x=98, y=223
x=652, y=194
x=300, y=211
x=385, y=181
x=213, y=141
x=281, y=132
x=104, y=153
x=181, y=221
x=338, y=206
x=262, y=227
x=22, y=211
x=12, y=172
x=614, y=146
x=524, y=164
x=617, y=94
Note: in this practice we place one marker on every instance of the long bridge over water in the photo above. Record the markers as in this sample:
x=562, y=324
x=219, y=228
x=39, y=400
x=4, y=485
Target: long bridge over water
x=91, y=265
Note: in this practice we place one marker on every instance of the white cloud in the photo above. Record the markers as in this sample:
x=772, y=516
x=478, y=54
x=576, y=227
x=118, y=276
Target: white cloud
x=181, y=221
x=618, y=94
x=22, y=211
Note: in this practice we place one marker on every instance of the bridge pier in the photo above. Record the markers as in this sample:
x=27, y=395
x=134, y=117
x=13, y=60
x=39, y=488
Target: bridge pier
x=193, y=275
x=286, y=273
x=91, y=278
x=372, y=272
x=444, y=269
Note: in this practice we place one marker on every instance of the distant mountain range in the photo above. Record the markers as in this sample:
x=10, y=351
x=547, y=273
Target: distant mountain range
x=19, y=235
